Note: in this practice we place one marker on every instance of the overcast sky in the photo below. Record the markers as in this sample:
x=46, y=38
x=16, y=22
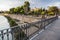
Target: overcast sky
x=7, y=4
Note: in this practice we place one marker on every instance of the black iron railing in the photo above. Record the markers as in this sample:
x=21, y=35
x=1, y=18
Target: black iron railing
x=26, y=31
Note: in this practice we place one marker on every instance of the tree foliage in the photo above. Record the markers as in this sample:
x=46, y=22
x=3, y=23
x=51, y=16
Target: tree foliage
x=25, y=9
x=53, y=10
x=12, y=10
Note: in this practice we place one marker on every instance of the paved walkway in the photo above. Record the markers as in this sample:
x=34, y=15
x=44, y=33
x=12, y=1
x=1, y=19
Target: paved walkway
x=50, y=33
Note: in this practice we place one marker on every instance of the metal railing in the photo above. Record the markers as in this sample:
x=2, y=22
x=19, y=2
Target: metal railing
x=26, y=31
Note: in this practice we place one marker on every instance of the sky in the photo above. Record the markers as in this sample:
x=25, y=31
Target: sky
x=7, y=4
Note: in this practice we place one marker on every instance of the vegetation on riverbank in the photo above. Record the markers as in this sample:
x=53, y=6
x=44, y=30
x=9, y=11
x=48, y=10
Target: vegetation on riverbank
x=11, y=21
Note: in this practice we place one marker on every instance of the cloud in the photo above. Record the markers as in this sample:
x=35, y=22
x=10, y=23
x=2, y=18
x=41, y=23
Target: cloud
x=55, y=4
x=32, y=2
x=7, y=4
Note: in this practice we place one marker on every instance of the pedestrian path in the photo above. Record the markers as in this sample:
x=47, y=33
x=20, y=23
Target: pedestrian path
x=52, y=32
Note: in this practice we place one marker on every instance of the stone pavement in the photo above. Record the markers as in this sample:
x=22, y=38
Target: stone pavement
x=52, y=32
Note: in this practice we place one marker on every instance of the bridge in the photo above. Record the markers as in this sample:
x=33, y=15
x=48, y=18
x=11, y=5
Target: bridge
x=47, y=29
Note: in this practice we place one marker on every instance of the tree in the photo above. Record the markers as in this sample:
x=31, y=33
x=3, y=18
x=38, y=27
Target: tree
x=21, y=10
x=17, y=10
x=26, y=7
x=12, y=10
x=54, y=9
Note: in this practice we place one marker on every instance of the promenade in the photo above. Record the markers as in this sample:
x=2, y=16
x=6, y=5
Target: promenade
x=52, y=32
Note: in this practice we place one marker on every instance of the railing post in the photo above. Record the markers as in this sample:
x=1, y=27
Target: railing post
x=7, y=35
x=2, y=35
x=27, y=34
x=44, y=24
x=12, y=35
x=41, y=25
x=19, y=33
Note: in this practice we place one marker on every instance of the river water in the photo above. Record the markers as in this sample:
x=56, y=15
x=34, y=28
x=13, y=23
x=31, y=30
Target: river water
x=4, y=25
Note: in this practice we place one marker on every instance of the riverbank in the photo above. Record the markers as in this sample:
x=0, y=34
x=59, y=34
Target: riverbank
x=25, y=18
x=11, y=21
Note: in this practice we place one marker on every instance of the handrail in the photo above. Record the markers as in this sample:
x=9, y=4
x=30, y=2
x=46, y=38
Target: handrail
x=26, y=30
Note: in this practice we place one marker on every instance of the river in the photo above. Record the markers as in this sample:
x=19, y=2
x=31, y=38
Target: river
x=4, y=25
